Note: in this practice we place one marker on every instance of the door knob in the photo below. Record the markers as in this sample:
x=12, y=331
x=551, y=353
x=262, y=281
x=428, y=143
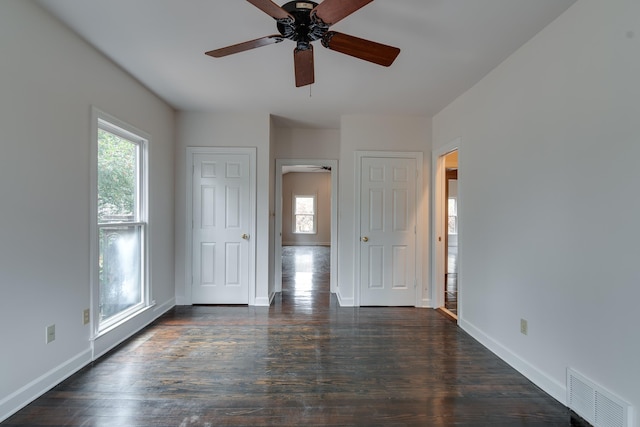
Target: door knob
x=365, y=239
x=245, y=236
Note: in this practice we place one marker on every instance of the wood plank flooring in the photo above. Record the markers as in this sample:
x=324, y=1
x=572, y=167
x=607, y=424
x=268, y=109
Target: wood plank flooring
x=451, y=281
x=302, y=361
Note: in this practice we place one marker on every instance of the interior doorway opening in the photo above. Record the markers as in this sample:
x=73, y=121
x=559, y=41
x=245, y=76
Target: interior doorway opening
x=451, y=234
x=306, y=225
x=306, y=279
x=446, y=225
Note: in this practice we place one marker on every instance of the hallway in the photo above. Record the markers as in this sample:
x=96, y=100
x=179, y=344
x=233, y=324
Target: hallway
x=305, y=279
x=302, y=361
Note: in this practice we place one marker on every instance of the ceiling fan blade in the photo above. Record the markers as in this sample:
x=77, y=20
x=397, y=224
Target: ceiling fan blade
x=367, y=50
x=332, y=11
x=241, y=47
x=271, y=9
x=304, y=70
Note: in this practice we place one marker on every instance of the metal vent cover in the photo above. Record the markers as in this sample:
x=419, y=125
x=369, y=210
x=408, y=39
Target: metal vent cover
x=595, y=404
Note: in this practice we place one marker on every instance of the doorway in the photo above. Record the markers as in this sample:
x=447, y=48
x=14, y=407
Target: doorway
x=446, y=226
x=451, y=235
x=314, y=229
x=305, y=279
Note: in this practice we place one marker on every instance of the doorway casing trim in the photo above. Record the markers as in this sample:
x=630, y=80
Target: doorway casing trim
x=188, y=262
x=437, y=225
x=278, y=218
x=419, y=235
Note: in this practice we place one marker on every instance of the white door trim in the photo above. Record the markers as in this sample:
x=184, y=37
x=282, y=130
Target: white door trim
x=438, y=241
x=278, y=220
x=188, y=262
x=418, y=156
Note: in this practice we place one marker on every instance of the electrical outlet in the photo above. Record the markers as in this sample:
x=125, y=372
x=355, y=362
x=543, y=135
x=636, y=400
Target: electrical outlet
x=85, y=316
x=51, y=333
x=524, y=327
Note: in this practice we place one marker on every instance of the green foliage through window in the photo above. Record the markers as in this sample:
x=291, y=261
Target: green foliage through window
x=117, y=172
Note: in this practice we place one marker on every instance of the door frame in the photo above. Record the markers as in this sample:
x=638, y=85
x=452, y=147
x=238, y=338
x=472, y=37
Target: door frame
x=278, y=219
x=439, y=239
x=188, y=226
x=418, y=157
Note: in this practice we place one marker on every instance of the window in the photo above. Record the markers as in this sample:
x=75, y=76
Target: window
x=452, y=210
x=304, y=214
x=120, y=220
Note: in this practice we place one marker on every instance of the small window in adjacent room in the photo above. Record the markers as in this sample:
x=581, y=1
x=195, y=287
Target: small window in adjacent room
x=304, y=214
x=453, y=216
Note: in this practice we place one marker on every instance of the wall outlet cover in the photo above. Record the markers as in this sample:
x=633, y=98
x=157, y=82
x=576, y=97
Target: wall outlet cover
x=51, y=333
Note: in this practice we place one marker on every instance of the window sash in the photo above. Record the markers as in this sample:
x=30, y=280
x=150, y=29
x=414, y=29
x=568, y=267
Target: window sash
x=136, y=211
x=121, y=280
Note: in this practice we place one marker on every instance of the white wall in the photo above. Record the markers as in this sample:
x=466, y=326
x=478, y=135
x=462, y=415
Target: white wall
x=377, y=133
x=307, y=143
x=549, y=200
x=49, y=79
x=227, y=130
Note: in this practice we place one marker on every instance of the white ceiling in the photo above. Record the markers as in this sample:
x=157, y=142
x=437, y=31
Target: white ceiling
x=447, y=46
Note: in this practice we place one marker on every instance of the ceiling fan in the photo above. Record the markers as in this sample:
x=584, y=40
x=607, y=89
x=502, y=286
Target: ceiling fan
x=307, y=21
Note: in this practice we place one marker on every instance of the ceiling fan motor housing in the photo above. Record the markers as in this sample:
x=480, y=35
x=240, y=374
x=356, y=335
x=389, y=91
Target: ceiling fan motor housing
x=305, y=28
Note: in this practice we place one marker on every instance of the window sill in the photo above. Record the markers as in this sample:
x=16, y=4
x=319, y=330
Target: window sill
x=124, y=320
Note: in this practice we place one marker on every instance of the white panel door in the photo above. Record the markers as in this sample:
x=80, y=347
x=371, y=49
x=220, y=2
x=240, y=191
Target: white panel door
x=388, y=231
x=221, y=227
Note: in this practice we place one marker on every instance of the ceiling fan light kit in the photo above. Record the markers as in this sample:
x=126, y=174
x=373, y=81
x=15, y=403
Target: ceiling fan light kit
x=305, y=22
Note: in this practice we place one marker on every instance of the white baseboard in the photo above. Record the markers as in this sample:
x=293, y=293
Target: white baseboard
x=557, y=390
x=264, y=301
x=163, y=308
x=345, y=302
x=36, y=388
x=426, y=303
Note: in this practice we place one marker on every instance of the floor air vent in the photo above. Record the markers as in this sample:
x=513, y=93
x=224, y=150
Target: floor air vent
x=594, y=404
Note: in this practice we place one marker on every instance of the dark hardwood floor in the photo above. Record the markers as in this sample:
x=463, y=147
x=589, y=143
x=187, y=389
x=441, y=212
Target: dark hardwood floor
x=304, y=361
x=451, y=285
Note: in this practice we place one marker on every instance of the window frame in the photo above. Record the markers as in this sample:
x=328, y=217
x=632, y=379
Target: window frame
x=108, y=123
x=294, y=215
